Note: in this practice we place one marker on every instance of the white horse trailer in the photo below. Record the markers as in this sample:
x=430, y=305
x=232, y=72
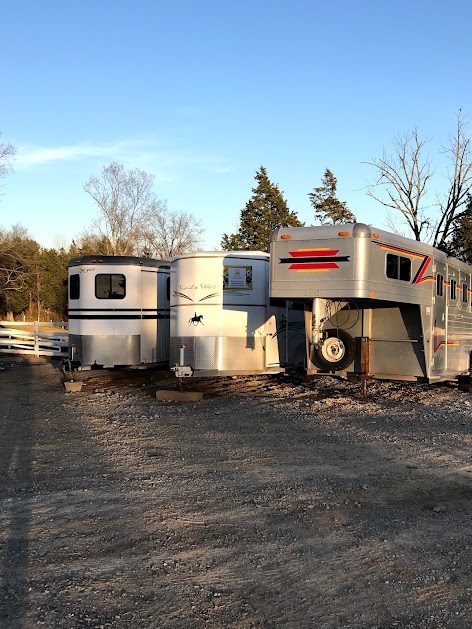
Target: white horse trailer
x=118, y=312
x=222, y=320
x=376, y=303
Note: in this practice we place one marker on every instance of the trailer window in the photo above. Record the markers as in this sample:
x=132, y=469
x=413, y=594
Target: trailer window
x=453, y=290
x=110, y=286
x=398, y=267
x=465, y=293
x=439, y=285
x=74, y=286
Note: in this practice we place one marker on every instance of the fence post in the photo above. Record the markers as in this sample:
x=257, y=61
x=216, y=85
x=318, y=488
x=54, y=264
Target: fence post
x=36, y=339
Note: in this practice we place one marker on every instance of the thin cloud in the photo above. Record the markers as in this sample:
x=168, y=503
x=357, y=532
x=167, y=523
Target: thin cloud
x=28, y=156
x=145, y=154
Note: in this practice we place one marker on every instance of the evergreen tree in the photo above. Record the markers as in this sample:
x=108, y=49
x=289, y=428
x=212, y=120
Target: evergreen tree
x=53, y=281
x=266, y=210
x=328, y=208
x=461, y=242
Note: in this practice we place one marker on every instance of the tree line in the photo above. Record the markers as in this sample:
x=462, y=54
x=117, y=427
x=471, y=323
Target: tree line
x=132, y=221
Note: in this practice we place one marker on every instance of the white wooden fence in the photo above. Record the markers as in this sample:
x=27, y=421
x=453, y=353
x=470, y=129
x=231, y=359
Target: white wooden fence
x=34, y=338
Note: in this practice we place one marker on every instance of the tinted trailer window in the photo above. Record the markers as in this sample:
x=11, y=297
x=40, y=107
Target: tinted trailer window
x=110, y=286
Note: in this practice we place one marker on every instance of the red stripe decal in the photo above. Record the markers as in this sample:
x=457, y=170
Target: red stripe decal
x=444, y=344
x=315, y=265
x=423, y=271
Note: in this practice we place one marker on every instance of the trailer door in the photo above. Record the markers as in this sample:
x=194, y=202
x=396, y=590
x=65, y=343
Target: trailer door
x=439, y=317
x=148, y=316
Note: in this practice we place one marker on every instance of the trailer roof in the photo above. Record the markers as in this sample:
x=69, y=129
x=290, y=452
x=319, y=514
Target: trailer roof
x=361, y=230
x=118, y=260
x=248, y=255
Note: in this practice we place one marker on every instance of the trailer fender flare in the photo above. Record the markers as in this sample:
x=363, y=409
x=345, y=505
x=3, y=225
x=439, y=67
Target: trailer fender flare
x=336, y=352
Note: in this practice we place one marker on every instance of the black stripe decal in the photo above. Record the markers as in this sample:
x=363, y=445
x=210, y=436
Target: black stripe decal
x=192, y=306
x=117, y=309
x=97, y=317
x=422, y=265
x=315, y=259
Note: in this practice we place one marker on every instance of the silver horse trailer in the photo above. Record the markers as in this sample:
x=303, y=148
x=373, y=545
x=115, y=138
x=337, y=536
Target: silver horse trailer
x=376, y=303
x=118, y=312
x=222, y=320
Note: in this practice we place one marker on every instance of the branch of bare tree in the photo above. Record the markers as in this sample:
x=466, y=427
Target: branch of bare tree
x=133, y=221
x=405, y=177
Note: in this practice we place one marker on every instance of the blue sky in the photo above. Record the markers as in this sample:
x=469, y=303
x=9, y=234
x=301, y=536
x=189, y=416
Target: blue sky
x=203, y=94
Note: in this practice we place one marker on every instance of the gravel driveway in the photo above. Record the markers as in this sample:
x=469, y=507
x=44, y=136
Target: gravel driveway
x=268, y=504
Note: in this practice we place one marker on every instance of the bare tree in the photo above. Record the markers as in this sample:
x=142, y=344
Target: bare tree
x=405, y=179
x=126, y=202
x=60, y=242
x=7, y=153
x=455, y=206
x=89, y=243
x=172, y=233
x=133, y=221
x=17, y=251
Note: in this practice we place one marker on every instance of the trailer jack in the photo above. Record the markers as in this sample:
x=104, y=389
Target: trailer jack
x=181, y=370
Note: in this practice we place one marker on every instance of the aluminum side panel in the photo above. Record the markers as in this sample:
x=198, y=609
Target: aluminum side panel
x=106, y=350
x=221, y=353
x=311, y=268
x=345, y=268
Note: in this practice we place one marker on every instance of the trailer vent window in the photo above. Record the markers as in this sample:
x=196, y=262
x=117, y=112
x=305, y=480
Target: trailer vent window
x=465, y=293
x=439, y=285
x=74, y=286
x=110, y=286
x=453, y=290
x=398, y=267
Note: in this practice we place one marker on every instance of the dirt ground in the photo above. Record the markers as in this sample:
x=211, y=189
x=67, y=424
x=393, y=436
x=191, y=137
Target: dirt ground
x=270, y=503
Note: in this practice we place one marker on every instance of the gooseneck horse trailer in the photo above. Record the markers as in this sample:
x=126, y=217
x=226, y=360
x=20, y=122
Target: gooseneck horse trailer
x=222, y=320
x=118, y=312
x=376, y=303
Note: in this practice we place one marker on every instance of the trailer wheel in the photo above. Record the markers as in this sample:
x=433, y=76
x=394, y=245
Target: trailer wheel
x=337, y=351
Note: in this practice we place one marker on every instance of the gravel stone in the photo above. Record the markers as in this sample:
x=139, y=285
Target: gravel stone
x=270, y=503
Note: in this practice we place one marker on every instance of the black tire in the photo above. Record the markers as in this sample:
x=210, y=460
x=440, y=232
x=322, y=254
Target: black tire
x=337, y=351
